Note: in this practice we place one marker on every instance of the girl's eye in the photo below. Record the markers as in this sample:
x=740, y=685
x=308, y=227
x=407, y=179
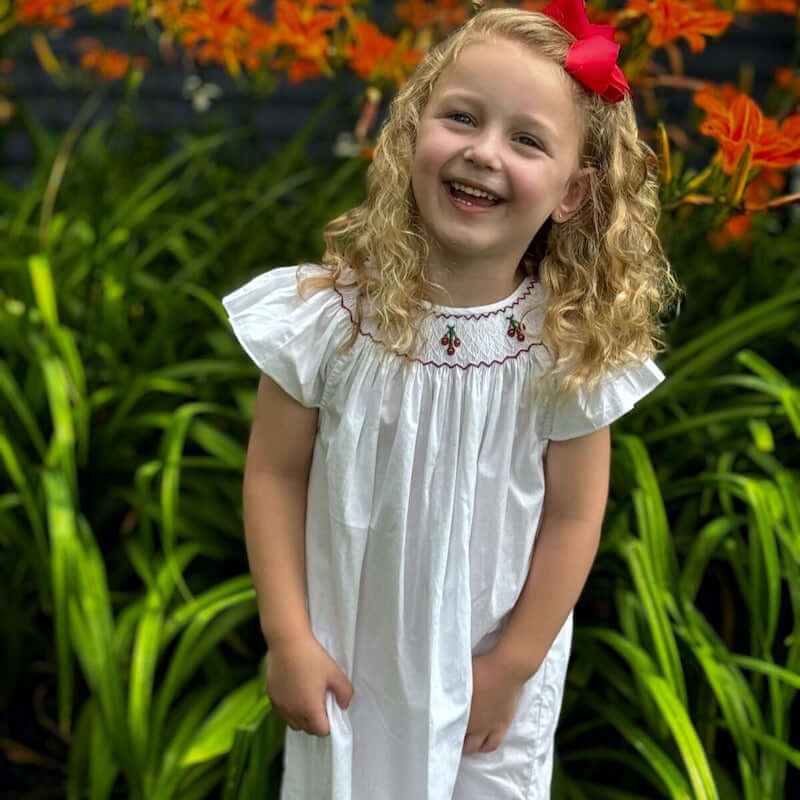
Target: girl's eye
x=460, y=116
x=529, y=141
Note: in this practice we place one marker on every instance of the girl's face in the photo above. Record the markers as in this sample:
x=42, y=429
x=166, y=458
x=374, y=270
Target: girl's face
x=501, y=120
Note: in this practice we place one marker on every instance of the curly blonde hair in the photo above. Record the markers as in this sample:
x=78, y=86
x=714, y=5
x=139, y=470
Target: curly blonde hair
x=604, y=272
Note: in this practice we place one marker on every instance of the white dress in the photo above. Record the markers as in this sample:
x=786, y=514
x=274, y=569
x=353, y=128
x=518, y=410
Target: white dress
x=424, y=500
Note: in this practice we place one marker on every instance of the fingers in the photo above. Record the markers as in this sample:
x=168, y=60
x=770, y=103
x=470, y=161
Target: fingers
x=473, y=742
x=342, y=688
x=482, y=742
x=492, y=742
x=297, y=680
x=315, y=723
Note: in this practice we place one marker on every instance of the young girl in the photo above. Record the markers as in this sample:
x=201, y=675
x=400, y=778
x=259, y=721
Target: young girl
x=435, y=400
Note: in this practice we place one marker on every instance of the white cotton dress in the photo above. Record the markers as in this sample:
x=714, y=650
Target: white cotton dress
x=424, y=500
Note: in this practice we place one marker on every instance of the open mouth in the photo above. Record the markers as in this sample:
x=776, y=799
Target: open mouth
x=470, y=196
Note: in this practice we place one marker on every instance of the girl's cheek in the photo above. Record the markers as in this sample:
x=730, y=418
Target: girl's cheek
x=436, y=150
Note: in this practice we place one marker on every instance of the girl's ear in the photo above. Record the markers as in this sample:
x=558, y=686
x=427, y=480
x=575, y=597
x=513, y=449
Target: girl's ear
x=574, y=195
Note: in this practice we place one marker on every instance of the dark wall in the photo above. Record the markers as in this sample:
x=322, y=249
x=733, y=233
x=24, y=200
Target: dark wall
x=765, y=42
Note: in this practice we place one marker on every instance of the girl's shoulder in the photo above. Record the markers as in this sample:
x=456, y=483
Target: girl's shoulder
x=291, y=321
x=304, y=290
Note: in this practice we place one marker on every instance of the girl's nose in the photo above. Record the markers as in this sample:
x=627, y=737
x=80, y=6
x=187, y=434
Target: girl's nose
x=483, y=151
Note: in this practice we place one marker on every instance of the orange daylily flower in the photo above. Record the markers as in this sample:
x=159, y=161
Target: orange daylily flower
x=302, y=69
x=764, y=187
x=373, y=54
x=735, y=120
x=261, y=39
x=314, y=5
x=370, y=47
x=790, y=7
x=675, y=19
x=735, y=228
x=302, y=27
x=230, y=33
x=219, y=22
x=787, y=78
x=109, y=64
x=104, y=6
x=447, y=14
x=53, y=13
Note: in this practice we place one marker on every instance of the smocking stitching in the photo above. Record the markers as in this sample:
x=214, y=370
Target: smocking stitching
x=465, y=367
x=486, y=314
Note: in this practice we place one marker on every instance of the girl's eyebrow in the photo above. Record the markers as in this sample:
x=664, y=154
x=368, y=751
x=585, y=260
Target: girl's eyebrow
x=524, y=117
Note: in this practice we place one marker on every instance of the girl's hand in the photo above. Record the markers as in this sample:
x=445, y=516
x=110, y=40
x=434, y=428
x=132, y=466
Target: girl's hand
x=494, y=700
x=299, y=672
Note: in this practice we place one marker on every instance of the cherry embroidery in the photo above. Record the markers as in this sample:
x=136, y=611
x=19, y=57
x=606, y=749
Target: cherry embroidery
x=516, y=328
x=450, y=340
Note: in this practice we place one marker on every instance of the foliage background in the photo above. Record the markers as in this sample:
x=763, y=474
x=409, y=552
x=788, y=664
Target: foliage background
x=134, y=662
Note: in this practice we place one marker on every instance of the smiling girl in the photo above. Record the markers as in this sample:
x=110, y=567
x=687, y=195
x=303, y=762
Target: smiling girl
x=427, y=469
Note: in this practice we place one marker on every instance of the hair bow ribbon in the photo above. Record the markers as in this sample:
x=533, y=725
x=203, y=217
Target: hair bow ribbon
x=592, y=59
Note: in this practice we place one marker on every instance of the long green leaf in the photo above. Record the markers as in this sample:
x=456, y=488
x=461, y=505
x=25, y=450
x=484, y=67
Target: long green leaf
x=170, y=481
x=189, y=715
x=670, y=777
x=151, y=179
x=143, y=666
x=146, y=650
x=651, y=515
x=774, y=314
x=654, y=598
x=215, y=737
x=62, y=445
x=43, y=289
x=705, y=544
x=14, y=397
x=65, y=553
x=17, y=474
x=200, y=637
x=103, y=768
x=685, y=736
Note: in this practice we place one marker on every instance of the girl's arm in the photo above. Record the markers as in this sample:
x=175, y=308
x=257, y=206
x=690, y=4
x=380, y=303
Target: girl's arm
x=300, y=671
x=274, y=499
x=576, y=490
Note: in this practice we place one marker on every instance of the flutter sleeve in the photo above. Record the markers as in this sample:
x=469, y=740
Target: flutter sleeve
x=585, y=410
x=291, y=339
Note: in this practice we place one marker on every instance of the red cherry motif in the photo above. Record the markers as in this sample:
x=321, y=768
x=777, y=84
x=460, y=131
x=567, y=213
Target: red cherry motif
x=450, y=340
x=516, y=328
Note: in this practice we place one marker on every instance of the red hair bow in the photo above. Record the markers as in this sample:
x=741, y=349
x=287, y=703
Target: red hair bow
x=593, y=58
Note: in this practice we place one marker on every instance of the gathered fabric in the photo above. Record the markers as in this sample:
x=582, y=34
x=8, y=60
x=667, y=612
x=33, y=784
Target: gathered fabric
x=424, y=500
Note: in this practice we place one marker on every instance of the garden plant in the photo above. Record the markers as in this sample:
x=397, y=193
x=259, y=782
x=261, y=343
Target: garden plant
x=134, y=663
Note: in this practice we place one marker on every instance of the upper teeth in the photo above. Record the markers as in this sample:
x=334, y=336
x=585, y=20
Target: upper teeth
x=471, y=190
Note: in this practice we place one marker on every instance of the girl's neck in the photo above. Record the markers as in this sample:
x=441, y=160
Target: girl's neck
x=468, y=288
